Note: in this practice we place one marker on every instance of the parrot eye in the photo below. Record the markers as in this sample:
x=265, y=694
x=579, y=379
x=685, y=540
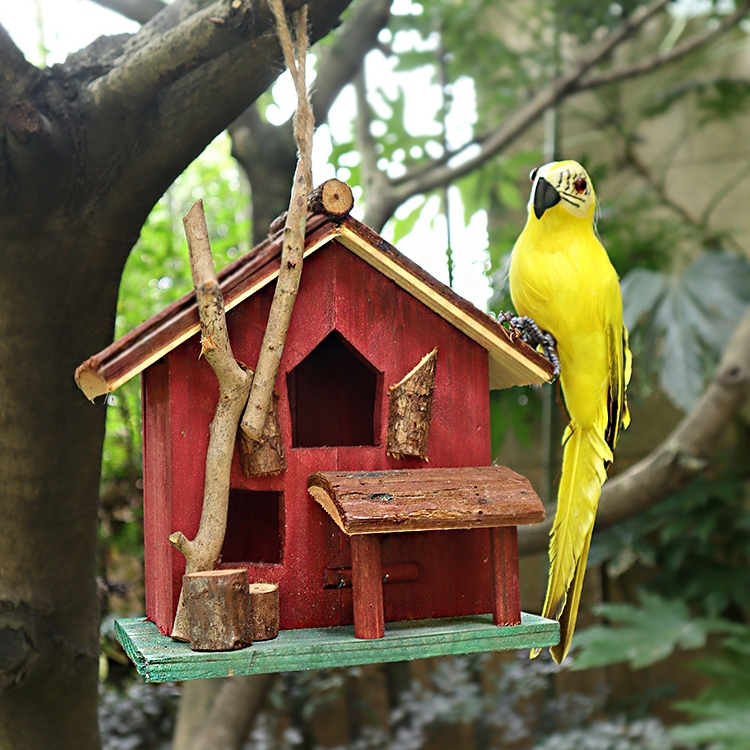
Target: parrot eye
x=533, y=173
x=580, y=184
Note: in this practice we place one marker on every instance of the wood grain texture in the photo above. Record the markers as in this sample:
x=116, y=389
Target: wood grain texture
x=217, y=603
x=267, y=457
x=333, y=198
x=264, y=610
x=368, y=502
x=159, y=659
x=505, y=579
x=410, y=410
x=367, y=588
x=391, y=331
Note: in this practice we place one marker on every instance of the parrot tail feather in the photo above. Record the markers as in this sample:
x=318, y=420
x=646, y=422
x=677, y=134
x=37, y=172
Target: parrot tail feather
x=585, y=457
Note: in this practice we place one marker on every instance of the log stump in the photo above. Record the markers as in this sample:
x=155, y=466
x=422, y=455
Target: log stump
x=333, y=198
x=264, y=611
x=218, y=609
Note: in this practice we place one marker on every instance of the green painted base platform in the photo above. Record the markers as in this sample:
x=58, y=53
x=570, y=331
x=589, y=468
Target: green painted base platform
x=160, y=659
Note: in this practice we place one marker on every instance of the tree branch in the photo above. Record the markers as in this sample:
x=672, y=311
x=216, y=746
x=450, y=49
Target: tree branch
x=377, y=186
x=341, y=61
x=660, y=59
x=519, y=121
x=202, y=552
x=679, y=458
x=293, y=247
x=266, y=151
x=207, y=34
x=191, y=113
x=140, y=11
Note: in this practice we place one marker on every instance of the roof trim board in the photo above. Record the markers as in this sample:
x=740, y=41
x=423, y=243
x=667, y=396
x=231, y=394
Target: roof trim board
x=512, y=362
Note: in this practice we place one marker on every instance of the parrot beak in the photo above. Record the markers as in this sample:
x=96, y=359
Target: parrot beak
x=545, y=196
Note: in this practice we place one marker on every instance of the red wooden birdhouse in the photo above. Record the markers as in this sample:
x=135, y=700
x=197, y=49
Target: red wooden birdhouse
x=382, y=481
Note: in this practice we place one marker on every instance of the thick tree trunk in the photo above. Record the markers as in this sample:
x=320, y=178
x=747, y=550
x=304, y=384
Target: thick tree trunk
x=58, y=294
x=85, y=150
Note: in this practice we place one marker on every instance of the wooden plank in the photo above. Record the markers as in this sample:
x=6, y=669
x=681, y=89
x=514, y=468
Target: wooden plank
x=160, y=659
x=367, y=502
x=367, y=587
x=157, y=336
x=512, y=362
x=505, y=578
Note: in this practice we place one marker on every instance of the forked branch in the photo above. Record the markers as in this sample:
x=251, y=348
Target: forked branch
x=292, y=252
x=202, y=552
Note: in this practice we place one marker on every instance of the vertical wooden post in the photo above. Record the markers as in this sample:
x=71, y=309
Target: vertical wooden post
x=367, y=586
x=507, y=593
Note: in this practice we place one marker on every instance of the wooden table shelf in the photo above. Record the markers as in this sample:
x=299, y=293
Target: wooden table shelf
x=160, y=659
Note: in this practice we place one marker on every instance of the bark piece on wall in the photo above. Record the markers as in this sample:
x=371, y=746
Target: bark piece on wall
x=218, y=609
x=264, y=610
x=266, y=458
x=410, y=410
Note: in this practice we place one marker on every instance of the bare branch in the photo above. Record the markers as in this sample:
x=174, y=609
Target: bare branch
x=234, y=385
x=140, y=11
x=520, y=120
x=381, y=201
x=660, y=59
x=174, y=14
x=292, y=251
x=136, y=81
x=341, y=61
x=679, y=458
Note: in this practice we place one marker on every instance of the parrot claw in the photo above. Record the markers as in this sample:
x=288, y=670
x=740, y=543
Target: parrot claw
x=534, y=336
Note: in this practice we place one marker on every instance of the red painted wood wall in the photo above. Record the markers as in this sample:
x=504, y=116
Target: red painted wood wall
x=287, y=535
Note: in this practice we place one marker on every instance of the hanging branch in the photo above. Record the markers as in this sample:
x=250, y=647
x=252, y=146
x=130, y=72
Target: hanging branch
x=292, y=251
x=202, y=552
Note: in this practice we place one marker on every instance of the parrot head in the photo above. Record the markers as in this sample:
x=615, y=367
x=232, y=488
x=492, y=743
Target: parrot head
x=564, y=183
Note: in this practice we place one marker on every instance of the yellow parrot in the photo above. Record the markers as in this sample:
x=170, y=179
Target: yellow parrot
x=562, y=278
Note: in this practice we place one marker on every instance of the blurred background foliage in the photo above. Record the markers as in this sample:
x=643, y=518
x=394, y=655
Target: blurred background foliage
x=675, y=578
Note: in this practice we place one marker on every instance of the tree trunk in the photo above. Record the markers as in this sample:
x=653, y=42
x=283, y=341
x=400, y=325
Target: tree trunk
x=86, y=149
x=55, y=307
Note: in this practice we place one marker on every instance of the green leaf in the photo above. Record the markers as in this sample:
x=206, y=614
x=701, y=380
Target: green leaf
x=641, y=290
x=728, y=731
x=687, y=319
x=641, y=635
x=723, y=709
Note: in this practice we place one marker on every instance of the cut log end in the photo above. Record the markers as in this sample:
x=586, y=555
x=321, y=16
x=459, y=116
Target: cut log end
x=333, y=198
x=218, y=609
x=264, y=608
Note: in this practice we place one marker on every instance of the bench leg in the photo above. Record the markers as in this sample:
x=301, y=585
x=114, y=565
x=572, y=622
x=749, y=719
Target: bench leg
x=507, y=594
x=367, y=586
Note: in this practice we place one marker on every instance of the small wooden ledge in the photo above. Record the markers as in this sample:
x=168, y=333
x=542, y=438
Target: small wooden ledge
x=160, y=659
x=426, y=499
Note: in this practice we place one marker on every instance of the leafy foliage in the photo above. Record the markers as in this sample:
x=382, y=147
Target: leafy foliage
x=687, y=318
x=505, y=706
x=722, y=710
x=642, y=635
x=697, y=541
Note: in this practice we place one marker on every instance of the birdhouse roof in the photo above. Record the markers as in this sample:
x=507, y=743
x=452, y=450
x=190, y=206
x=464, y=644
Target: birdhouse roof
x=368, y=502
x=512, y=362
